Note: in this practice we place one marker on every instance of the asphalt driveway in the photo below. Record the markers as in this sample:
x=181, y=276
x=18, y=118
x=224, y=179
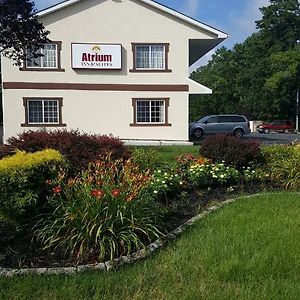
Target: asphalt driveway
x=264, y=139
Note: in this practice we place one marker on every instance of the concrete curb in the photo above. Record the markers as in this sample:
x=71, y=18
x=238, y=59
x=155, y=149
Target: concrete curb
x=116, y=263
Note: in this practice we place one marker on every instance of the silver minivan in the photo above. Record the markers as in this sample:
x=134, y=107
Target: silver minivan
x=236, y=125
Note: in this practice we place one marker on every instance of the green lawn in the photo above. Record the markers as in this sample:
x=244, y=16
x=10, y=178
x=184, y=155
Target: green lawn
x=168, y=154
x=246, y=250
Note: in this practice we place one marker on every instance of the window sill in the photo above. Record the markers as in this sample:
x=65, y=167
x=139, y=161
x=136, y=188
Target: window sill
x=41, y=70
x=43, y=125
x=150, y=125
x=150, y=71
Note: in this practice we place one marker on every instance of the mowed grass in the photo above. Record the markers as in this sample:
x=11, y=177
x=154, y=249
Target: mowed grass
x=167, y=154
x=249, y=249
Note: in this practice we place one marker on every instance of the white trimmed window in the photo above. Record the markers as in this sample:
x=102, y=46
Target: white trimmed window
x=150, y=57
x=150, y=111
x=49, y=60
x=43, y=111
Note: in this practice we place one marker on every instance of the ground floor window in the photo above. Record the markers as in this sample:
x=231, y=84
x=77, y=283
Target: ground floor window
x=43, y=112
x=150, y=112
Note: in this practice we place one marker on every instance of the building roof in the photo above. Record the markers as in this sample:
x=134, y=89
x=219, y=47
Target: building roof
x=163, y=8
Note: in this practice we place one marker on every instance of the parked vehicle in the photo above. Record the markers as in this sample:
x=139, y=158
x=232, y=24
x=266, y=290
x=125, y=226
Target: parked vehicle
x=236, y=125
x=284, y=126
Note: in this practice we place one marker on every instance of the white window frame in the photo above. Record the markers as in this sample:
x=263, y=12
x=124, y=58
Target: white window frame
x=165, y=57
x=43, y=59
x=150, y=111
x=150, y=52
x=43, y=111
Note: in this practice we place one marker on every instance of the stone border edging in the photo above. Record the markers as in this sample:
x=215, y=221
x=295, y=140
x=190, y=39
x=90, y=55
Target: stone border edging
x=118, y=262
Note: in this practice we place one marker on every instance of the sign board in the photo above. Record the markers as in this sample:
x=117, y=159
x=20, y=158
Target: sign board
x=97, y=56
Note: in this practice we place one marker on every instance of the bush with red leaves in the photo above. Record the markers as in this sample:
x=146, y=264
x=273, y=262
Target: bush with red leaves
x=231, y=150
x=78, y=148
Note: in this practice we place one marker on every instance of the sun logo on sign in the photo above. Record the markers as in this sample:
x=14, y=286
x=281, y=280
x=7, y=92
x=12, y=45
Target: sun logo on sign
x=96, y=49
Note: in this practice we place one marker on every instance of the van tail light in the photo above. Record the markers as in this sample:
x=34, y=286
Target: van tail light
x=248, y=124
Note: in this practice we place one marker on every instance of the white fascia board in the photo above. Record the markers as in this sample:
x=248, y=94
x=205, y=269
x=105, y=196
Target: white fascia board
x=196, y=88
x=56, y=7
x=220, y=34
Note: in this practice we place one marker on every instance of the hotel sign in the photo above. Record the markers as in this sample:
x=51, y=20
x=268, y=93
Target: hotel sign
x=97, y=56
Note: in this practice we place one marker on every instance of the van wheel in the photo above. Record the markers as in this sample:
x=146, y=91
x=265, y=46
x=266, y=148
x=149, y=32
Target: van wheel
x=238, y=133
x=286, y=131
x=198, y=133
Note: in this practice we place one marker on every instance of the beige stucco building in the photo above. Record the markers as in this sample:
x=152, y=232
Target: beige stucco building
x=116, y=67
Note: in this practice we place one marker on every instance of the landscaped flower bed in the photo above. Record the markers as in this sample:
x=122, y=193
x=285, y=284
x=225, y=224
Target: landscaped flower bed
x=115, y=206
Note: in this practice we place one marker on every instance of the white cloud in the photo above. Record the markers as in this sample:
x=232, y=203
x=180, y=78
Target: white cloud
x=191, y=7
x=243, y=22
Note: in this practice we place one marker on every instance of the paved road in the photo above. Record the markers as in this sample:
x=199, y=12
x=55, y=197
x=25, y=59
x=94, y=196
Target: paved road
x=265, y=139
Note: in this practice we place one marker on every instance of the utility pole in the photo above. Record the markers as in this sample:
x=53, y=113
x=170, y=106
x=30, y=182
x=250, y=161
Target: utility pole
x=297, y=99
x=297, y=111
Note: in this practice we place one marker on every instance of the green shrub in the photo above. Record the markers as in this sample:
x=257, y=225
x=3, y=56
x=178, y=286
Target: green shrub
x=283, y=164
x=23, y=183
x=165, y=185
x=103, y=213
x=210, y=175
x=79, y=149
x=231, y=150
x=146, y=158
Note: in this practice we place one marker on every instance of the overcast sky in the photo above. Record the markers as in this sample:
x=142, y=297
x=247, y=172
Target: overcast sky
x=235, y=17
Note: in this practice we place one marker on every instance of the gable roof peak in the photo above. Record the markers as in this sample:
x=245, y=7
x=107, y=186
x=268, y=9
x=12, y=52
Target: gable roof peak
x=152, y=3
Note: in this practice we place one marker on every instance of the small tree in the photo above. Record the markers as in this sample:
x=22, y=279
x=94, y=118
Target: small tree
x=19, y=27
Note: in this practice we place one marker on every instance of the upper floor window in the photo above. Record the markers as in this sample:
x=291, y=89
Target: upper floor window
x=150, y=57
x=48, y=61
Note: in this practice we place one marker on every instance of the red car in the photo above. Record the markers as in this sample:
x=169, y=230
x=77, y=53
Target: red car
x=284, y=126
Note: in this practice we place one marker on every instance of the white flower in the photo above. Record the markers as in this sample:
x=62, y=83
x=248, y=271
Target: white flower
x=155, y=192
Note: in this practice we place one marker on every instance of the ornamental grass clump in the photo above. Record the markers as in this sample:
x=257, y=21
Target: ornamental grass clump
x=104, y=213
x=283, y=164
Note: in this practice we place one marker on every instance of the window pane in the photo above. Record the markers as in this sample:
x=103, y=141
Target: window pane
x=34, y=62
x=142, y=57
x=150, y=57
x=50, y=111
x=157, y=111
x=157, y=57
x=150, y=111
x=212, y=120
x=35, y=111
x=49, y=58
x=143, y=111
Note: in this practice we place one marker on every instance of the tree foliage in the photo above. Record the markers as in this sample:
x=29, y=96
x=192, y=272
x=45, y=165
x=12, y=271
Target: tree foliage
x=19, y=27
x=259, y=76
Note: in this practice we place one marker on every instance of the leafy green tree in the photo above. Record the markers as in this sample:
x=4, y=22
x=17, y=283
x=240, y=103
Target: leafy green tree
x=280, y=24
x=258, y=77
x=19, y=27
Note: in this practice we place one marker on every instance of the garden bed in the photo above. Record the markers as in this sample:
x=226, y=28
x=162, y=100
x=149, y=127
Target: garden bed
x=55, y=215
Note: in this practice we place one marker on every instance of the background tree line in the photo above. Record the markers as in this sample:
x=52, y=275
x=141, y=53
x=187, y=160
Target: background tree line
x=258, y=77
